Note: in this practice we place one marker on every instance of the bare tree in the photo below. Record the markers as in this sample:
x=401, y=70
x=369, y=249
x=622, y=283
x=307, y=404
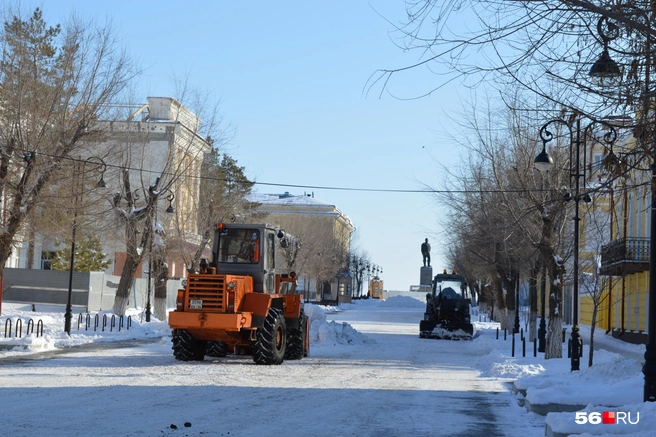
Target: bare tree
x=509, y=213
x=56, y=82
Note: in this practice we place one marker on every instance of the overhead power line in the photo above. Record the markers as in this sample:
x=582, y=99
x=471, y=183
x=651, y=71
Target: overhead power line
x=321, y=187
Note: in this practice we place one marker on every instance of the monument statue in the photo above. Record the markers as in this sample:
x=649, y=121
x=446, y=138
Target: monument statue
x=425, y=251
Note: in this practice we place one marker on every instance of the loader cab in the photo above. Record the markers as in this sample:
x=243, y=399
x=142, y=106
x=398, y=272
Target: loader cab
x=247, y=250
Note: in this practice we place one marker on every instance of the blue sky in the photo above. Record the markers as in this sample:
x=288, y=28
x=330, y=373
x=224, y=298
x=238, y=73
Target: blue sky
x=290, y=76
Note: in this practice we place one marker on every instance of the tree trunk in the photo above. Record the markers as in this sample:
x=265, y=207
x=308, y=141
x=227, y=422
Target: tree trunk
x=593, y=323
x=554, y=347
x=122, y=298
x=161, y=272
x=533, y=298
x=132, y=260
x=500, y=302
x=533, y=326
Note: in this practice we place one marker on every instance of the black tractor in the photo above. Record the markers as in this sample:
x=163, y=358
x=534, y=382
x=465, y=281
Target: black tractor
x=447, y=309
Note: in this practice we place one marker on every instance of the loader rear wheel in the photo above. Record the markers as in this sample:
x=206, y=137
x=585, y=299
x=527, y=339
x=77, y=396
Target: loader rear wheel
x=296, y=340
x=271, y=342
x=216, y=349
x=186, y=347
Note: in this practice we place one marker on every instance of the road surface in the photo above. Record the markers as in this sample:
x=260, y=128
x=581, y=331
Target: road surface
x=395, y=384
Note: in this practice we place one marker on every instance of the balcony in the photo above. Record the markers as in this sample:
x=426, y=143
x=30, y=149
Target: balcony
x=625, y=256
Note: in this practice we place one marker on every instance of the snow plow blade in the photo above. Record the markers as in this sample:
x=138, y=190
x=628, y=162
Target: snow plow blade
x=428, y=329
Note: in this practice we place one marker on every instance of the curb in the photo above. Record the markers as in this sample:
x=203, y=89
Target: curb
x=544, y=409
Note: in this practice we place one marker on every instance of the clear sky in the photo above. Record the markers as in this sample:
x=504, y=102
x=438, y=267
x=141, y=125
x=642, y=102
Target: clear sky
x=291, y=76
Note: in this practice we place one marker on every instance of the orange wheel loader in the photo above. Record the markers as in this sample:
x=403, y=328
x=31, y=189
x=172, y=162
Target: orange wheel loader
x=242, y=302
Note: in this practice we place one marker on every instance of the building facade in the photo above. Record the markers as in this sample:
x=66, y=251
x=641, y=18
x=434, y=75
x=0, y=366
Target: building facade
x=622, y=287
x=158, y=141
x=325, y=234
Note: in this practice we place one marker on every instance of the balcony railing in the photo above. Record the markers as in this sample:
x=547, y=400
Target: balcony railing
x=625, y=256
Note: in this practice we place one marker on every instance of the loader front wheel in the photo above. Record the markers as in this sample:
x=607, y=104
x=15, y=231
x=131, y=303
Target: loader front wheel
x=271, y=339
x=186, y=347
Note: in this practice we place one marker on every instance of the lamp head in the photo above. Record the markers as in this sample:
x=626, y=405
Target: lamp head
x=543, y=162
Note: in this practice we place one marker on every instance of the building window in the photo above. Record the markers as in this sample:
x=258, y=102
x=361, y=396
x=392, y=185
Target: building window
x=46, y=259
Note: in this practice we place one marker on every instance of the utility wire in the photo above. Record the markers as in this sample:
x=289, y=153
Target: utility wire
x=318, y=187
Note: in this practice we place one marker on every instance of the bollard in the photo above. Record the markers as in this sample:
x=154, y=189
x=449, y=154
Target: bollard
x=564, y=333
x=513, y=344
x=505, y=334
x=10, y=327
x=39, y=324
x=535, y=348
x=581, y=348
x=524, y=347
x=19, y=330
x=497, y=332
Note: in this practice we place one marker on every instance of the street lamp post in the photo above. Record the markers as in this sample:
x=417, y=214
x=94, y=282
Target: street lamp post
x=78, y=193
x=517, y=306
x=169, y=210
x=542, y=330
x=543, y=162
x=607, y=68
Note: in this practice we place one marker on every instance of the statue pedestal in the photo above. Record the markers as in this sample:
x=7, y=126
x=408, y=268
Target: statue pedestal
x=426, y=276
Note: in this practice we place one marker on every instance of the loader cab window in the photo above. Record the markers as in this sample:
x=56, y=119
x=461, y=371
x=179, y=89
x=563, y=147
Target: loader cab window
x=271, y=256
x=239, y=246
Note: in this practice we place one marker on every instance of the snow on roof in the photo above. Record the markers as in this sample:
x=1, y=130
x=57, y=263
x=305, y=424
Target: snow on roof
x=297, y=202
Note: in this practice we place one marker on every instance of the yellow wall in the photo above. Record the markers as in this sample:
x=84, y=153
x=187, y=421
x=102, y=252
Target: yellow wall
x=636, y=287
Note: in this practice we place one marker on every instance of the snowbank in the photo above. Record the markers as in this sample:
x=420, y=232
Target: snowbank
x=324, y=332
x=54, y=336
x=403, y=302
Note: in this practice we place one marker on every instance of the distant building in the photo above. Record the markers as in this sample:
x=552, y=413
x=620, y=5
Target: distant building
x=158, y=139
x=325, y=233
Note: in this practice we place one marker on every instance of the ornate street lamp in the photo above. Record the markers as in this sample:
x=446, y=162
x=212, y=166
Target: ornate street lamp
x=542, y=330
x=101, y=167
x=516, y=330
x=605, y=68
x=543, y=162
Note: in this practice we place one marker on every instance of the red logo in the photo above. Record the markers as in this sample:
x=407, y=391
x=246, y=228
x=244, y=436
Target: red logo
x=608, y=418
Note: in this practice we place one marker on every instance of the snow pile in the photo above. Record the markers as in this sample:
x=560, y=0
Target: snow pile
x=640, y=422
x=496, y=364
x=55, y=337
x=324, y=332
x=403, y=302
x=613, y=380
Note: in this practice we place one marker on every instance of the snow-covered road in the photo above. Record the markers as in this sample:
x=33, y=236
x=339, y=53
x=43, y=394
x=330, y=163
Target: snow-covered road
x=391, y=384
